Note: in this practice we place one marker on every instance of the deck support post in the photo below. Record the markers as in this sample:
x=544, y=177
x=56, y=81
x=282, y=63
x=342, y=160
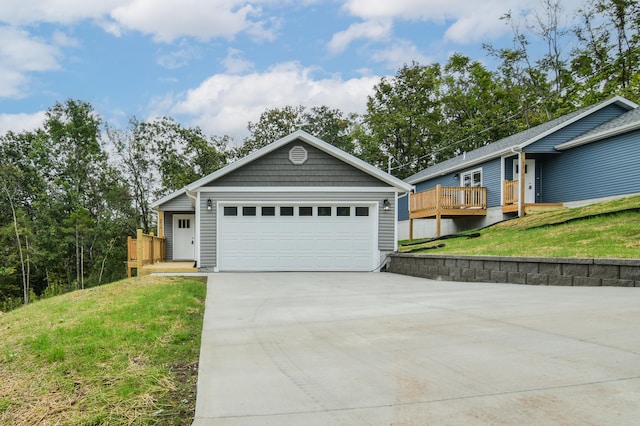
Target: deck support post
x=522, y=183
x=438, y=215
x=411, y=229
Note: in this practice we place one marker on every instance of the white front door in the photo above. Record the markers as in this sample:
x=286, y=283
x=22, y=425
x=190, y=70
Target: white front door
x=183, y=237
x=529, y=179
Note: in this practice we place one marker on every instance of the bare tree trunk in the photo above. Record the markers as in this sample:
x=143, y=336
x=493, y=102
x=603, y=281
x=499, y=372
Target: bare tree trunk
x=104, y=260
x=25, y=281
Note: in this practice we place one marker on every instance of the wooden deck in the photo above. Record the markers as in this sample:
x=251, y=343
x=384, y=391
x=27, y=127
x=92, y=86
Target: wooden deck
x=446, y=201
x=168, y=268
x=530, y=208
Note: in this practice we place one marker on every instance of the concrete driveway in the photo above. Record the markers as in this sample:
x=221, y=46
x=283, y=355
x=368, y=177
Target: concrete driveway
x=383, y=349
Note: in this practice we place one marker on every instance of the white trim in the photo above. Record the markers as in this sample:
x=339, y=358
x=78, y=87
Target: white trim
x=502, y=178
x=302, y=189
x=374, y=214
x=197, y=230
x=180, y=216
x=168, y=198
x=625, y=103
x=395, y=227
x=259, y=203
x=598, y=136
x=470, y=173
x=311, y=140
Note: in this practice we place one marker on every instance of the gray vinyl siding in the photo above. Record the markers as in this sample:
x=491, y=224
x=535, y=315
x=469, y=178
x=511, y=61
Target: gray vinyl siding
x=208, y=218
x=181, y=203
x=168, y=234
x=546, y=144
x=599, y=169
x=320, y=169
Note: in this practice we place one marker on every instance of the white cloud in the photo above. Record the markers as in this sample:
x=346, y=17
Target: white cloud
x=168, y=20
x=180, y=57
x=235, y=63
x=224, y=104
x=399, y=53
x=21, y=54
x=165, y=20
x=25, y=12
x=21, y=122
x=468, y=22
x=370, y=30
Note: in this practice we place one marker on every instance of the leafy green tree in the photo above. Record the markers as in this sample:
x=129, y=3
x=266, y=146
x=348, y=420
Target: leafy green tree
x=135, y=160
x=329, y=124
x=607, y=59
x=404, y=117
x=273, y=124
x=181, y=154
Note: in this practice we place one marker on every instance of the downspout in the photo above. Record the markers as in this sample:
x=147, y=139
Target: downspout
x=518, y=150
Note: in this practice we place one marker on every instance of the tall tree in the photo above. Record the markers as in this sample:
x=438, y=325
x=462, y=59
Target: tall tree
x=136, y=162
x=181, y=154
x=404, y=117
x=607, y=59
x=329, y=124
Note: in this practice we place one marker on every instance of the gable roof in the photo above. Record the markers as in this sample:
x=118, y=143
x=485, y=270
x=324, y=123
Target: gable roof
x=624, y=123
x=298, y=135
x=515, y=142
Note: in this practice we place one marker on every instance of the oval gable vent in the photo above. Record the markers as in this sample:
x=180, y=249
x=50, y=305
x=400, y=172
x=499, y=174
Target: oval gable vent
x=298, y=155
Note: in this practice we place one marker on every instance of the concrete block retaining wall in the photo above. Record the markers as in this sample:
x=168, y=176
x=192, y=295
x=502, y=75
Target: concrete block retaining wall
x=519, y=270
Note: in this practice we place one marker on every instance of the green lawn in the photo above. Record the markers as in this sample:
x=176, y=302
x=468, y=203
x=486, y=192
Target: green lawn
x=120, y=354
x=604, y=230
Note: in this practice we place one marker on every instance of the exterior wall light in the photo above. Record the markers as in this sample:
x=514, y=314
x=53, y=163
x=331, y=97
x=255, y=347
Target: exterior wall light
x=386, y=205
x=209, y=204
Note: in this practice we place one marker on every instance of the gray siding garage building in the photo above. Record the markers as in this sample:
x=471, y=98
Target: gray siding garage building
x=299, y=204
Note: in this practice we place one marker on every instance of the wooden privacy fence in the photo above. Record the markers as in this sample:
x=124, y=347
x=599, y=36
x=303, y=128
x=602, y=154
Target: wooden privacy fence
x=146, y=249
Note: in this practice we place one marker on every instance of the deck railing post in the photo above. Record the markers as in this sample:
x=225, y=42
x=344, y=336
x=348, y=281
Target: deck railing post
x=140, y=250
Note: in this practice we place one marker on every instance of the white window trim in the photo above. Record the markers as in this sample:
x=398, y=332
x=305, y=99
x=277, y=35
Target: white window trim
x=470, y=174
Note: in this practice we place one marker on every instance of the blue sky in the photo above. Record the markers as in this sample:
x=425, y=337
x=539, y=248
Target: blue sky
x=218, y=64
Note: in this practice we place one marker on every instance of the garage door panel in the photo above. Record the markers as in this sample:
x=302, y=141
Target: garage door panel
x=296, y=243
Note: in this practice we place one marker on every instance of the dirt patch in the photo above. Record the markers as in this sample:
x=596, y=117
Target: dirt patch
x=181, y=400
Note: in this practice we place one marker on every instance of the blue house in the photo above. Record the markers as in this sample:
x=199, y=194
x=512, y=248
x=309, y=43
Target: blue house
x=587, y=156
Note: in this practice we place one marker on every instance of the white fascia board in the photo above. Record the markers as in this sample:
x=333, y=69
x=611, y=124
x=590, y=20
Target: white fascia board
x=598, y=136
x=272, y=189
x=470, y=163
x=166, y=198
x=313, y=141
x=625, y=103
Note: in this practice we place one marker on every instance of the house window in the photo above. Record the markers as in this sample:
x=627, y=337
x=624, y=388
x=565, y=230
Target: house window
x=184, y=223
x=343, y=211
x=231, y=211
x=472, y=179
x=324, y=211
x=268, y=211
x=248, y=211
x=286, y=211
x=305, y=211
x=362, y=211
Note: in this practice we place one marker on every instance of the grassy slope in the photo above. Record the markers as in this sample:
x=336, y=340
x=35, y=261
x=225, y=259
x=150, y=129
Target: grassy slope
x=123, y=353
x=601, y=230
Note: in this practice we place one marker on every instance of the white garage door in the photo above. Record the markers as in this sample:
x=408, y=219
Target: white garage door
x=310, y=237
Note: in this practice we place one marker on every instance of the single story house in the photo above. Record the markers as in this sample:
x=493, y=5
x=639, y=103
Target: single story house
x=579, y=158
x=298, y=204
